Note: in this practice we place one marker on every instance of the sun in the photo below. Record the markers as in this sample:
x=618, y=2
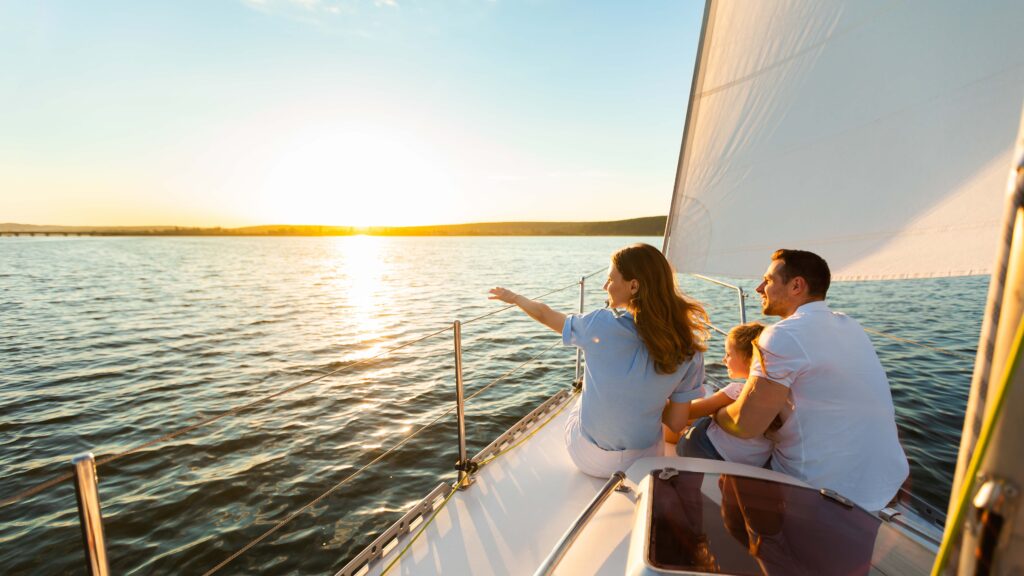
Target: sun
x=357, y=177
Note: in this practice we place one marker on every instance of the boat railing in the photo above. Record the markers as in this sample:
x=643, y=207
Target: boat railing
x=742, y=307
x=740, y=295
x=84, y=466
x=86, y=479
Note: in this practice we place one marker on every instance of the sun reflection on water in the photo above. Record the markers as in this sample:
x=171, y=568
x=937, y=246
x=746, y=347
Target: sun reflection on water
x=363, y=266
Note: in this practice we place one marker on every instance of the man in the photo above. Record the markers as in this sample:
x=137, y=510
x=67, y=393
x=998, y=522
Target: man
x=818, y=371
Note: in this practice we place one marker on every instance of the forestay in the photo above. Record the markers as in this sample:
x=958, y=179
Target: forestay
x=876, y=133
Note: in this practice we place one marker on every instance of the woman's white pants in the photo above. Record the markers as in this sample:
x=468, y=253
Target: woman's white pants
x=593, y=460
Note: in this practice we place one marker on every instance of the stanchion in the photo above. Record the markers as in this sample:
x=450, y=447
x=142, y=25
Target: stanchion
x=89, y=516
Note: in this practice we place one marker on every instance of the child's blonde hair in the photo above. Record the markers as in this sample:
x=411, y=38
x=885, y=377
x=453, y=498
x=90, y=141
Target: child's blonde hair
x=744, y=336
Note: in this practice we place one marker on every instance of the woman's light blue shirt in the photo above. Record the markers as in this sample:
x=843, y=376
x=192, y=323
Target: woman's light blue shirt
x=623, y=396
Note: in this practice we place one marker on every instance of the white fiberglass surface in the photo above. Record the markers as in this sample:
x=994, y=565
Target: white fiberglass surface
x=521, y=504
x=510, y=518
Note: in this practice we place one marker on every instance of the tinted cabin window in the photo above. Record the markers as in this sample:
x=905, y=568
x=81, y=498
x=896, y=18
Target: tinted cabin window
x=756, y=527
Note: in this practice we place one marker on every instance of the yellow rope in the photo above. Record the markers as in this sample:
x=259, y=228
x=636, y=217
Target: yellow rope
x=531, y=434
x=422, y=529
x=981, y=448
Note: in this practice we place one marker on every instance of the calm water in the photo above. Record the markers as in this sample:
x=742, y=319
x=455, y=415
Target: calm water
x=109, y=342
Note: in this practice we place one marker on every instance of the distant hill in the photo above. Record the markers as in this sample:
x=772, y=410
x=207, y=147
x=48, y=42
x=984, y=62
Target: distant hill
x=650, y=226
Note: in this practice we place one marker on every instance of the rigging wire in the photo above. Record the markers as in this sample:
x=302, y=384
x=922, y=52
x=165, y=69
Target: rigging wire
x=715, y=328
x=510, y=306
x=510, y=372
x=532, y=433
x=111, y=458
x=330, y=491
x=455, y=487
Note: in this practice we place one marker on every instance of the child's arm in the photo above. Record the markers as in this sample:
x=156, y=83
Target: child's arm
x=710, y=405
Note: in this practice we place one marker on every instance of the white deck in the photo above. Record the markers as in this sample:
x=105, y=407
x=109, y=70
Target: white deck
x=522, y=503
x=509, y=519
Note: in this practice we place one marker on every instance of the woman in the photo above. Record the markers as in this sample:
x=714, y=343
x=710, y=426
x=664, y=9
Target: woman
x=636, y=360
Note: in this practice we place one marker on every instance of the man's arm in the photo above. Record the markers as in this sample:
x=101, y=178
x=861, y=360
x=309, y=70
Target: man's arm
x=537, y=310
x=751, y=414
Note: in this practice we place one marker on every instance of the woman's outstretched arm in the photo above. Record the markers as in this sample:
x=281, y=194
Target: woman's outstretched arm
x=537, y=310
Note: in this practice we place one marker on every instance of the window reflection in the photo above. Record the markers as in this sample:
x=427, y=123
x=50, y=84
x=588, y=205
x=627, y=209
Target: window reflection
x=755, y=527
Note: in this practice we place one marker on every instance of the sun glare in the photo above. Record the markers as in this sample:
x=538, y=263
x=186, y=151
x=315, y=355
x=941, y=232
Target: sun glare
x=352, y=177
x=363, y=264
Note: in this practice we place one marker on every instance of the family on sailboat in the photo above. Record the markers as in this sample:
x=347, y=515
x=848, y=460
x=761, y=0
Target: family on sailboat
x=816, y=403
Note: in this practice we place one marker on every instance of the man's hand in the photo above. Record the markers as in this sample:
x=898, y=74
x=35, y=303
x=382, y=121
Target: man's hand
x=751, y=414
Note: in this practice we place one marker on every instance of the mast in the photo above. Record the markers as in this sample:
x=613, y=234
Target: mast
x=985, y=534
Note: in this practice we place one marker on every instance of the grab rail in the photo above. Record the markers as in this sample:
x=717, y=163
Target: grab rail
x=549, y=564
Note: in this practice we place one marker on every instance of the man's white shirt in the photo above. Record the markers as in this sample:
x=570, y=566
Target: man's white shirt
x=839, y=427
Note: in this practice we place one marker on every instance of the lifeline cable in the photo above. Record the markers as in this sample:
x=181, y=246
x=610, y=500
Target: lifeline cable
x=348, y=478
x=331, y=490
x=107, y=459
x=510, y=306
x=455, y=488
x=510, y=372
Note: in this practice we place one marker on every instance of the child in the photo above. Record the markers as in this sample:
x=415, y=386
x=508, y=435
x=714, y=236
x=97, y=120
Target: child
x=739, y=352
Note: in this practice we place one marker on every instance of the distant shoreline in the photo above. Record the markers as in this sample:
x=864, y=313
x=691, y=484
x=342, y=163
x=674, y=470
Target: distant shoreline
x=649, y=226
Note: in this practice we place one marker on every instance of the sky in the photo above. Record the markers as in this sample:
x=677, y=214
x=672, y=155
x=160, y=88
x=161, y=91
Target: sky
x=351, y=113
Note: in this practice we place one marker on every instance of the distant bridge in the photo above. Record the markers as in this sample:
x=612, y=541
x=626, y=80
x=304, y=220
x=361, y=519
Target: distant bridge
x=28, y=233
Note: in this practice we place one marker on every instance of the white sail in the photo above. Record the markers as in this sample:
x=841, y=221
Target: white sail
x=872, y=132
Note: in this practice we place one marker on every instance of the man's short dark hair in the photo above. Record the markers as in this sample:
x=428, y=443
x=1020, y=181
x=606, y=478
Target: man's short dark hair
x=809, y=266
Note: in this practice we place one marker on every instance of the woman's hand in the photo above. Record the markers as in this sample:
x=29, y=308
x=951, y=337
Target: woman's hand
x=504, y=294
x=538, y=311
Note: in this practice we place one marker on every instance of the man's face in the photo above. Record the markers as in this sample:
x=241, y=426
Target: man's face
x=775, y=294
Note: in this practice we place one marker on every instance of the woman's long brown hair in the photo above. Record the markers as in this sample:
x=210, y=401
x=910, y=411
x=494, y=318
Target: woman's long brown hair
x=672, y=327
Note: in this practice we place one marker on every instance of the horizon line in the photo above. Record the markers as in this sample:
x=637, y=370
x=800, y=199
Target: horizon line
x=10, y=226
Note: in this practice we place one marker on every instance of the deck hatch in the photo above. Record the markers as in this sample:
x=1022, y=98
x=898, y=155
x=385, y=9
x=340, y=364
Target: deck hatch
x=721, y=523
